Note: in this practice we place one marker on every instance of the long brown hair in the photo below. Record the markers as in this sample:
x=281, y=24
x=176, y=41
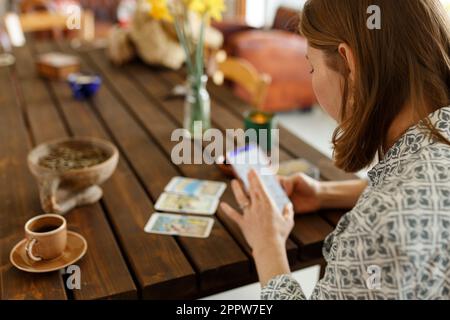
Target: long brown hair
x=406, y=61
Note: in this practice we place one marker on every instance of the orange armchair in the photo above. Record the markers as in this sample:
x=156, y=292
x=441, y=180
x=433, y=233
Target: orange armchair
x=280, y=53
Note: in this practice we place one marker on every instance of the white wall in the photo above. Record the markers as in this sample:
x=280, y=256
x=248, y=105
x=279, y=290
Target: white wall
x=273, y=6
x=261, y=13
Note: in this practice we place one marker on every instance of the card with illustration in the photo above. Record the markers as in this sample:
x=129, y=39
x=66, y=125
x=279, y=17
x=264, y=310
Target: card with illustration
x=179, y=203
x=195, y=187
x=178, y=225
x=288, y=168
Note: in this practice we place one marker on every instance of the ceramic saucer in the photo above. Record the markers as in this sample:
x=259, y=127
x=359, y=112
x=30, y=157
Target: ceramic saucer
x=75, y=250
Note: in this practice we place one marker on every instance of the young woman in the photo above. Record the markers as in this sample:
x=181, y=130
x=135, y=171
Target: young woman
x=389, y=90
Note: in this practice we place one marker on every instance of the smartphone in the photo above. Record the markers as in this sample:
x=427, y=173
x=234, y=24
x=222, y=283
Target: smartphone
x=251, y=157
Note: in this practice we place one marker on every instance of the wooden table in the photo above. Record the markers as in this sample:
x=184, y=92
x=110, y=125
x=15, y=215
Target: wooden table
x=131, y=110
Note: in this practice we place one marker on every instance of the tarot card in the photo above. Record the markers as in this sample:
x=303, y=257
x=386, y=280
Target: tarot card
x=195, y=187
x=179, y=203
x=179, y=225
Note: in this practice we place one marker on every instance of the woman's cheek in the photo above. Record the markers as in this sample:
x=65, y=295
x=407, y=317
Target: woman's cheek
x=328, y=93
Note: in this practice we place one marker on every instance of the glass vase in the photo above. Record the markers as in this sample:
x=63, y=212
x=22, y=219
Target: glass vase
x=197, y=107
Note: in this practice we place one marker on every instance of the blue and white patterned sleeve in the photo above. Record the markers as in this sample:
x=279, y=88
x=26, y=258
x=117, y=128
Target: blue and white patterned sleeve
x=394, y=244
x=350, y=251
x=349, y=262
x=283, y=287
x=367, y=261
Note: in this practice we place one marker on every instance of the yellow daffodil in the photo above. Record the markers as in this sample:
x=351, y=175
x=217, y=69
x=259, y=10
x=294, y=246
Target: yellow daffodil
x=210, y=8
x=176, y=11
x=160, y=10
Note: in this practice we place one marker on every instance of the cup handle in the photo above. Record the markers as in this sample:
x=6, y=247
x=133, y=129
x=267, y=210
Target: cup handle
x=48, y=189
x=50, y=203
x=83, y=197
x=29, y=250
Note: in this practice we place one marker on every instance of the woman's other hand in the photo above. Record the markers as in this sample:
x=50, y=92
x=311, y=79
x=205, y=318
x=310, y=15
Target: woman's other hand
x=303, y=192
x=309, y=195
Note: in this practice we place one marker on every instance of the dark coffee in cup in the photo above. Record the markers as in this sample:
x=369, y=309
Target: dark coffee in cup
x=45, y=229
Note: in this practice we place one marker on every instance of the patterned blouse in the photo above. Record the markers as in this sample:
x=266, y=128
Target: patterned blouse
x=395, y=243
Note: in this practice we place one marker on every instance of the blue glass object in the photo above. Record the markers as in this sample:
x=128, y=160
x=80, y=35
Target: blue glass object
x=84, y=86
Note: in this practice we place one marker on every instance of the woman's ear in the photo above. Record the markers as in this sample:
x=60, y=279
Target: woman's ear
x=347, y=54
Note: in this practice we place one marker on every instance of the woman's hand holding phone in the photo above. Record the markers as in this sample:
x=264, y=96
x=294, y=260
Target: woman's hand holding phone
x=265, y=228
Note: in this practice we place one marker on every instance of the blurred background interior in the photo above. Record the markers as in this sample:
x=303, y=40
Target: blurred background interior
x=263, y=33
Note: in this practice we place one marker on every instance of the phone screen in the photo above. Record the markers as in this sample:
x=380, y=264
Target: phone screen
x=252, y=157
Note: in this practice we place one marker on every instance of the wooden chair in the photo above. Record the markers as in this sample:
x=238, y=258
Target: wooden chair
x=36, y=16
x=242, y=73
x=33, y=5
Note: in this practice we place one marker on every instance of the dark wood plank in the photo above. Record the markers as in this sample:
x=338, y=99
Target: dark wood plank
x=311, y=230
x=157, y=92
x=218, y=260
x=161, y=127
x=332, y=216
x=158, y=263
x=19, y=201
x=216, y=270
x=103, y=270
x=289, y=143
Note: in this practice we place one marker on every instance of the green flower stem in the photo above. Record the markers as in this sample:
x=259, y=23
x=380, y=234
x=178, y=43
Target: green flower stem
x=185, y=47
x=195, y=66
x=199, y=53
